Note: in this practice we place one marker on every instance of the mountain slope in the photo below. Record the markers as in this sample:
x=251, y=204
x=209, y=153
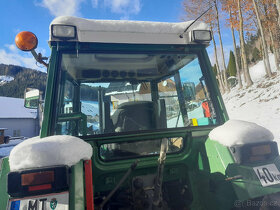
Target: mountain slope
x=22, y=78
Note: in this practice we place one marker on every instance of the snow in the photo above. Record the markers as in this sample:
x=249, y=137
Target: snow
x=128, y=26
x=5, y=79
x=259, y=103
x=235, y=132
x=124, y=92
x=124, y=31
x=5, y=149
x=14, y=108
x=54, y=150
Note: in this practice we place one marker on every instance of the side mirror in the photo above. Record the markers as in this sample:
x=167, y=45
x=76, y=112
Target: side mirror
x=31, y=98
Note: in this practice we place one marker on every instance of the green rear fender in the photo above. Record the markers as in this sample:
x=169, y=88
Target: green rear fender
x=223, y=168
x=4, y=170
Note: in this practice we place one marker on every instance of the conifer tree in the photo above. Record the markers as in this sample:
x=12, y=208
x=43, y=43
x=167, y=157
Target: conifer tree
x=215, y=69
x=231, y=65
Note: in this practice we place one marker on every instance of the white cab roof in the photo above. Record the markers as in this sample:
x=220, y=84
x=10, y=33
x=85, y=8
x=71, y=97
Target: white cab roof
x=123, y=31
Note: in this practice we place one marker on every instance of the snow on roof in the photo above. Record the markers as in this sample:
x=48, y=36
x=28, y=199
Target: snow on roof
x=124, y=31
x=32, y=93
x=14, y=108
x=116, y=88
x=235, y=132
x=54, y=150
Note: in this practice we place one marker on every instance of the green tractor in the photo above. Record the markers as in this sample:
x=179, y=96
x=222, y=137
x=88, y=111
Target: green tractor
x=144, y=97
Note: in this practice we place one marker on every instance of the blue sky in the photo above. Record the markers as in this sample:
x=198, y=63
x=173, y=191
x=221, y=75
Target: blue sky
x=36, y=15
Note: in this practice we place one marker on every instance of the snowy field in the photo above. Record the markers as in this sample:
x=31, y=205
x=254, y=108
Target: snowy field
x=259, y=103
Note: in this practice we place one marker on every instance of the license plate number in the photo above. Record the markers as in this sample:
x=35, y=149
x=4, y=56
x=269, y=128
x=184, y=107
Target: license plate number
x=45, y=202
x=268, y=174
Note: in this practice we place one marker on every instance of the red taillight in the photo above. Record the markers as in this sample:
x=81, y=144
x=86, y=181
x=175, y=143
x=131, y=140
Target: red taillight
x=38, y=181
x=37, y=178
x=40, y=187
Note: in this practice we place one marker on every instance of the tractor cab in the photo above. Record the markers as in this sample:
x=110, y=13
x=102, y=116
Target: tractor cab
x=144, y=97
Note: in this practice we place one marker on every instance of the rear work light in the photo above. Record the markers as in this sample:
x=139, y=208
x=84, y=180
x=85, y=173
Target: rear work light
x=64, y=31
x=254, y=152
x=38, y=181
x=201, y=36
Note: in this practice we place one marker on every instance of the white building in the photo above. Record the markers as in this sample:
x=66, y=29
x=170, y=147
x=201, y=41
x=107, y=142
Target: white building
x=18, y=120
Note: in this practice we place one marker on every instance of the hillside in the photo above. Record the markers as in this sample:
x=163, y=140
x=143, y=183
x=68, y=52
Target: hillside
x=259, y=103
x=15, y=79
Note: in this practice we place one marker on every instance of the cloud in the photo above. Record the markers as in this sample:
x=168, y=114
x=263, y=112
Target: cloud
x=62, y=7
x=11, y=47
x=122, y=7
x=13, y=56
x=72, y=7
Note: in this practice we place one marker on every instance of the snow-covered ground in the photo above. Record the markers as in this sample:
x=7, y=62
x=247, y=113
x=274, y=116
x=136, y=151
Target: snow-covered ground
x=5, y=149
x=259, y=103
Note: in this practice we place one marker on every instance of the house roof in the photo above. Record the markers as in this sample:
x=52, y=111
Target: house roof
x=116, y=88
x=14, y=108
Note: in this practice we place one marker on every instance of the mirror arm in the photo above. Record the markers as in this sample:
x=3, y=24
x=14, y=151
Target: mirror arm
x=38, y=57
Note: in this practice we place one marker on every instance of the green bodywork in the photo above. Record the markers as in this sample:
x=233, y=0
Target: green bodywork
x=202, y=164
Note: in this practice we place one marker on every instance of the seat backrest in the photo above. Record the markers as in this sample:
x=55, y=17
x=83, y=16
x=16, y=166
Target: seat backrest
x=136, y=115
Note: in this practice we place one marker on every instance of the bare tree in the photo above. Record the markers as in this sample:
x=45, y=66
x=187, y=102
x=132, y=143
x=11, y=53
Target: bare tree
x=220, y=79
x=275, y=50
x=221, y=45
x=271, y=26
x=242, y=47
x=278, y=8
x=265, y=50
x=194, y=8
x=229, y=6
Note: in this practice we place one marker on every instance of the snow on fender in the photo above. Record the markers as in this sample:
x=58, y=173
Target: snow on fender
x=234, y=132
x=49, y=151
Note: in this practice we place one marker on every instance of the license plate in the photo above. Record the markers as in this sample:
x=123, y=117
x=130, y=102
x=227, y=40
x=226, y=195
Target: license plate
x=268, y=174
x=58, y=201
